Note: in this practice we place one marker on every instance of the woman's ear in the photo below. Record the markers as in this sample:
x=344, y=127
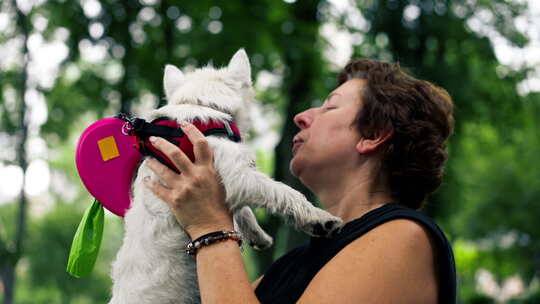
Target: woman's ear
x=369, y=145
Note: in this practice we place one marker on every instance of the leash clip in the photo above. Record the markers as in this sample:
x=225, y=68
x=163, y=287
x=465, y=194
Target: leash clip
x=131, y=124
x=128, y=125
x=127, y=128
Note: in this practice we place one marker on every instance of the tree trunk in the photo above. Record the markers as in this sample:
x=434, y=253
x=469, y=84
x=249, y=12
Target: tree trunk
x=8, y=282
x=9, y=267
x=302, y=58
x=126, y=85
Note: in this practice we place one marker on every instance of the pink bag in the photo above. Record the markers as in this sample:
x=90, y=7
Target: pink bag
x=106, y=160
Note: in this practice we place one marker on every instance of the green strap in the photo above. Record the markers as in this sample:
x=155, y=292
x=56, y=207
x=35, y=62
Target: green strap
x=86, y=243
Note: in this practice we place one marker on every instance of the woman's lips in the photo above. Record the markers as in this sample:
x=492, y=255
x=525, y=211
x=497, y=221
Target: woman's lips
x=296, y=146
x=297, y=141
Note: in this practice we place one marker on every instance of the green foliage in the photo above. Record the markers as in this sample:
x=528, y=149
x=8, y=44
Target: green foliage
x=507, y=210
x=8, y=214
x=68, y=100
x=265, y=162
x=48, y=250
x=143, y=47
x=530, y=298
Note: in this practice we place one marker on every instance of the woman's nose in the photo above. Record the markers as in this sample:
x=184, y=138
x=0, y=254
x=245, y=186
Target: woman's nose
x=303, y=119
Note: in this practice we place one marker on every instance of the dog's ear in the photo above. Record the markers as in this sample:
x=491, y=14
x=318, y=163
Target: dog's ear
x=172, y=79
x=239, y=67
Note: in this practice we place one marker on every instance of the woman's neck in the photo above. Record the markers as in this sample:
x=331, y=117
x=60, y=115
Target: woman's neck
x=351, y=197
x=352, y=206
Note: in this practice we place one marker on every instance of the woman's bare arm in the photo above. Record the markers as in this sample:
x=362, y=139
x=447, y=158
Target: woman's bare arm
x=393, y=263
x=256, y=282
x=222, y=276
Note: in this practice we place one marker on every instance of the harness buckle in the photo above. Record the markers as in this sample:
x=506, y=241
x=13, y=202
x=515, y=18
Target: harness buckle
x=232, y=136
x=230, y=132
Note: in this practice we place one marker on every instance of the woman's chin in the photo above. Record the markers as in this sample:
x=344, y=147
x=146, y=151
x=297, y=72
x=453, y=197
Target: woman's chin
x=294, y=167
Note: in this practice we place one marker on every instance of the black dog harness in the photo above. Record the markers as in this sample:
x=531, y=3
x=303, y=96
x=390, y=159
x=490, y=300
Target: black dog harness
x=169, y=129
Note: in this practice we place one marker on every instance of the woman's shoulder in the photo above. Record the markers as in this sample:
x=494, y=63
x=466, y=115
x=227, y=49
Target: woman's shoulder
x=396, y=220
x=401, y=236
x=397, y=253
x=388, y=246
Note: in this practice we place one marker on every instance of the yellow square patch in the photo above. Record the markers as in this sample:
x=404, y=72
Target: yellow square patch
x=107, y=148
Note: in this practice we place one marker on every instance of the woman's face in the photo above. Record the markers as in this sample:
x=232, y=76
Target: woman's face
x=326, y=142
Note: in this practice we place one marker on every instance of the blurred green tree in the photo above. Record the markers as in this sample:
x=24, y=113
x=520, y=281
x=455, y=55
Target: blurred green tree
x=48, y=250
x=16, y=124
x=490, y=194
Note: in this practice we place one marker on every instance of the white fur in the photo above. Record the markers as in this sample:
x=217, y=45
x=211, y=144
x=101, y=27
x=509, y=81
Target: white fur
x=151, y=266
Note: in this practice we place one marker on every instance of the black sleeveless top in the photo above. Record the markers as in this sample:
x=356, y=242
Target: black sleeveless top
x=287, y=278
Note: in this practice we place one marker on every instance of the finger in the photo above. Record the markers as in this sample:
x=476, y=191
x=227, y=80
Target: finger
x=177, y=156
x=201, y=148
x=158, y=189
x=162, y=171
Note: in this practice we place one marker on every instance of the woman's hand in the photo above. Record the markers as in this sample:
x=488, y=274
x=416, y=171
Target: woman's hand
x=196, y=196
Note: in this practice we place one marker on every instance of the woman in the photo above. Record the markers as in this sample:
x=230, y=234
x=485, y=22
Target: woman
x=372, y=153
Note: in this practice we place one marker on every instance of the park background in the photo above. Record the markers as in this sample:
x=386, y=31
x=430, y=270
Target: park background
x=67, y=63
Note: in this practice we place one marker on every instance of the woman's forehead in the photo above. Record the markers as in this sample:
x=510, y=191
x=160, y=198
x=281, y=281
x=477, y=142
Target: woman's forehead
x=350, y=90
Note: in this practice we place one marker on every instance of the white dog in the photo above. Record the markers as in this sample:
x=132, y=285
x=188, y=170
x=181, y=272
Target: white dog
x=151, y=266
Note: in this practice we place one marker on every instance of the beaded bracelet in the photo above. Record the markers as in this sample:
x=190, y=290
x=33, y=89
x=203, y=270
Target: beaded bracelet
x=211, y=238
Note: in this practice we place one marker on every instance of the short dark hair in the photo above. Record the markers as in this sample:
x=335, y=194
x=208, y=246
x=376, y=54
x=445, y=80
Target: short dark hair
x=419, y=113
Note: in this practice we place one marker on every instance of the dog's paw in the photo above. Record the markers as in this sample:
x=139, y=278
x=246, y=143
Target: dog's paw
x=323, y=225
x=262, y=243
x=328, y=229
